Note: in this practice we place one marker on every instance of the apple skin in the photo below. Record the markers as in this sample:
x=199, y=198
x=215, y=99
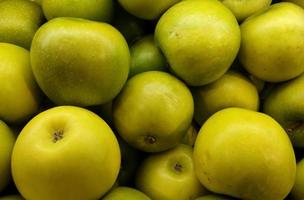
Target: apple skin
x=19, y=20
x=286, y=105
x=98, y=10
x=12, y=197
x=195, y=55
x=298, y=2
x=153, y=111
x=125, y=193
x=223, y=93
x=272, y=42
x=244, y=154
x=244, y=9
x=7, y=140
x=297, y=192
x=65, y=153
x=79, y=62
x=19, y=93
x=148, y=9
x=169, y=175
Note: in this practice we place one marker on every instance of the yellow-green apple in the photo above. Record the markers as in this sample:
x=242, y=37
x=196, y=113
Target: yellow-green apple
x=99, y=10
x=214, y=197
x=19, y=20
x=285, y=103
x=244, y=9
x=272, y=44
x=19, y=93
x=170, y=175
x=79, y=62
x=223, y=93
x=125, y=193
x=145, y=56
x=7, y=140
x=244, y=154
x=153, y=111
x=12, y=197
x=200, y=40
x=65, y=153
x=297, y=192
x=148, y=9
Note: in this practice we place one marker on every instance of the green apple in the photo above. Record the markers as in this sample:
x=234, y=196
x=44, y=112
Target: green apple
x=7, y=140
x=200, y=40
x=298, y=2
x=79, y=62
x=297, y=192
x=19, y=20
x=214, y=197
x=19, y=93
x=244, y=9
x=145, y=56
x=170, y=175
x=148, y=9
x=12, y=197
x=285, y=103
x=98, y=10
x=244, y=154
x=272, y=47
x=223, y=93
x=153, y=111
x=125, y=193
x=65, y=153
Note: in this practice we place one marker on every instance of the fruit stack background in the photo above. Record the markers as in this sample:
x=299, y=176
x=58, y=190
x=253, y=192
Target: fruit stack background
x=151, y=99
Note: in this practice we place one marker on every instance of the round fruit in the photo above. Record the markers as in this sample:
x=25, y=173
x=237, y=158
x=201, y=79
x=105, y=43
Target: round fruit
x=272, y=43
x=200, y=40
x=19, y=94
x=244, y=154
x=170, y=175
x=145, y=56
x=153, y=111
x=19, y=20
x=297, y=192
x=125, y=193
x=99, y=10
x=148, y=9
x=79, y=62
x=7, y=140
x=223, y=93
x=65, y=153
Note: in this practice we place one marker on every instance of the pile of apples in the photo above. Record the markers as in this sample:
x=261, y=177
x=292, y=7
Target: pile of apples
x=151, y=100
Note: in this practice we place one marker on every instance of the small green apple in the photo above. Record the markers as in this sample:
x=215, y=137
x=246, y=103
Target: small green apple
x=79, y=62
x=125, y=193
x=98, y=10
x=19, y=20
x=7, y=140
x=153, y=111
x=297, y=192
x=243, y=9
x=19, y=93
x=170, y=175
x=223, y=93
x=214, y=197
x=244, y=154
x=145, y=56
x=285, y=103
x=12, y=197
x=65, y=153
x=200, y=40
x=148, y=9
x=298, y=2
x=272, y=45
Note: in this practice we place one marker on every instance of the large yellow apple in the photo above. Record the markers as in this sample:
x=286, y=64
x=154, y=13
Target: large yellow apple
x=245, y=154
x=272, y=43
x=19, y=93
x=7, y=140
x=200, y=40
x=79, y=62
x=65, y=153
